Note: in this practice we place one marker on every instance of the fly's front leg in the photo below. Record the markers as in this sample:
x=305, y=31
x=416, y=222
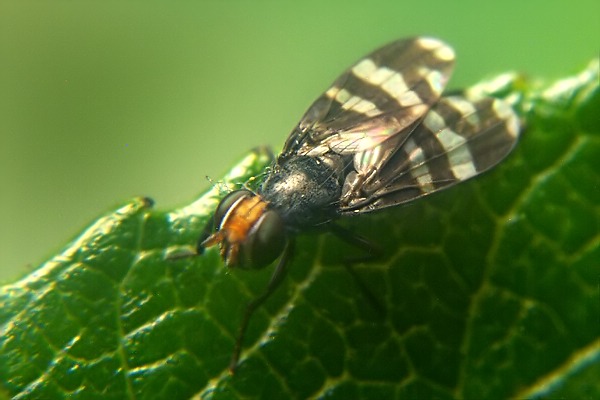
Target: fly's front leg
x=276, y=279
x=199, y=249
x=206, y=232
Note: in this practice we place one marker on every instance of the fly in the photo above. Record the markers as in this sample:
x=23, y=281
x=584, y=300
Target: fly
x=380, y=136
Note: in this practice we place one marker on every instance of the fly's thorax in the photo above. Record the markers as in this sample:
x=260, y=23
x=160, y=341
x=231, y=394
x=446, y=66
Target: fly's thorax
x=249, y=233
x=305, y=190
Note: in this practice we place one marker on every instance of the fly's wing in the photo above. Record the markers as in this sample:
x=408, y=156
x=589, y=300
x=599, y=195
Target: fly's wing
x=378, y=98
x=457, y=139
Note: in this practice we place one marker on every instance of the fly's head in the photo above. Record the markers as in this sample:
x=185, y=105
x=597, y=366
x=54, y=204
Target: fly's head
x=249, y=234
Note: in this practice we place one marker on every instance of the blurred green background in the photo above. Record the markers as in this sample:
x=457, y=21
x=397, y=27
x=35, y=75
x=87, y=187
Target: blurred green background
x=103, y=101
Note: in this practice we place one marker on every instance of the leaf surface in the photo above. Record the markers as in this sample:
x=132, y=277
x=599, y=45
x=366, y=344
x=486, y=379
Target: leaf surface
x=490, y=290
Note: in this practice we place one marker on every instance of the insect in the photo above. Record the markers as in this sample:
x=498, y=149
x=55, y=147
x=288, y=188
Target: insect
x=380, y=136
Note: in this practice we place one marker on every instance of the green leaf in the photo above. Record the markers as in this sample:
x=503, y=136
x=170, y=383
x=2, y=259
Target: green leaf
x=490, y=290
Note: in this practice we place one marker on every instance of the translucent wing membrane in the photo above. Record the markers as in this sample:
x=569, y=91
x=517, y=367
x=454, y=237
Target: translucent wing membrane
x=456, y=140
x=378, y=98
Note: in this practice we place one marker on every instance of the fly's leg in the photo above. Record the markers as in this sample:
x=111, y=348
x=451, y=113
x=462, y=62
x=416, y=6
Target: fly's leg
x=188, y=253
x=274, y=282
x=206, y=232
x=372, y=253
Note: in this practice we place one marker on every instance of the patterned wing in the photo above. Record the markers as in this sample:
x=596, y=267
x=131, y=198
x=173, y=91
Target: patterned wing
x=378, y=98
x=457, y=139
